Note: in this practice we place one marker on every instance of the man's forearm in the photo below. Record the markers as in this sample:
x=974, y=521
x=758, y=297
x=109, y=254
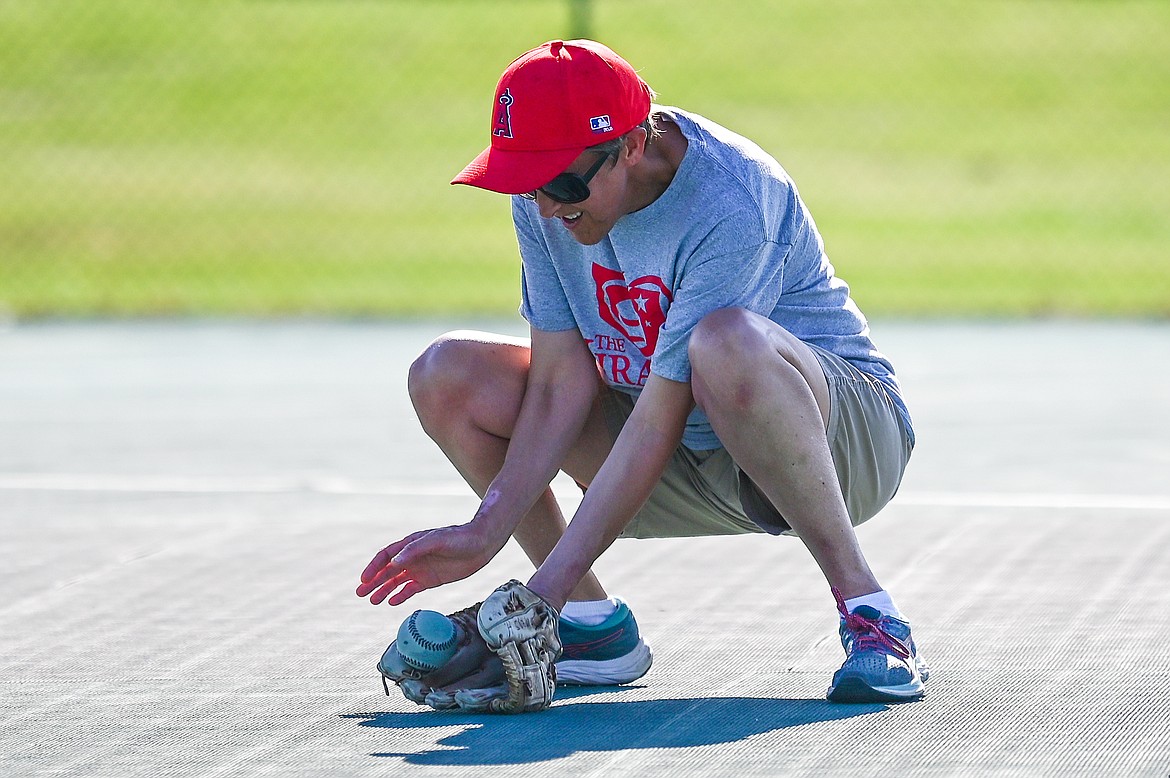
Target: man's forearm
x=621, y=487
x=551, y=419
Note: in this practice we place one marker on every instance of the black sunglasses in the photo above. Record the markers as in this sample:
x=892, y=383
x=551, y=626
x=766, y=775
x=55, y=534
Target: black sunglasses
x=569, y=188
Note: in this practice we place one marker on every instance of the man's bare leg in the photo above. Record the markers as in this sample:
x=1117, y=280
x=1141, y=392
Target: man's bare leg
x=467, y=388
x=768, y=401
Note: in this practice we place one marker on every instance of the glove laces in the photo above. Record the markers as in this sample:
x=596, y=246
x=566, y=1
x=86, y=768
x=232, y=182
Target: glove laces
x=868, y=633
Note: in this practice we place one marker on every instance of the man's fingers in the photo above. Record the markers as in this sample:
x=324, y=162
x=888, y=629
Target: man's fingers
x=364, y=590
x=386, y=555
x=376, y=564
x=391, y=574
x=406, y=592
x=384, y=576
x=387, y=569
x=386, y=589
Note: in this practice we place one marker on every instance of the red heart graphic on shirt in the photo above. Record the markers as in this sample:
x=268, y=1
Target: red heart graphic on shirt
x=636, y=310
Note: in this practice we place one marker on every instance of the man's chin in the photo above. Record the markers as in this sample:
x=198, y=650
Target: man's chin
x=588, y=239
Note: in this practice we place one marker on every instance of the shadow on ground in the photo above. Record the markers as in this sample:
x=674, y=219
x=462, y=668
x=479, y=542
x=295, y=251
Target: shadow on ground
x=566, y=729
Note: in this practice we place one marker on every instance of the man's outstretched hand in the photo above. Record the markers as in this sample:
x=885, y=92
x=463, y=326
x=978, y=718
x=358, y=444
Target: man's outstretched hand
x=424, y=560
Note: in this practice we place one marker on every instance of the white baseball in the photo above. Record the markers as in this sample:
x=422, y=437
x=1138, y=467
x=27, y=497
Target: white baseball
x=427, y=640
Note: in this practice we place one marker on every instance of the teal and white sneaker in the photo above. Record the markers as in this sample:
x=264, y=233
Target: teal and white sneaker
x=882, y=662
x=607, y=654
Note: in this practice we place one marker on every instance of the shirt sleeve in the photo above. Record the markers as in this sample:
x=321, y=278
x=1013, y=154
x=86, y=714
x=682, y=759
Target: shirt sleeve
x=543, y=302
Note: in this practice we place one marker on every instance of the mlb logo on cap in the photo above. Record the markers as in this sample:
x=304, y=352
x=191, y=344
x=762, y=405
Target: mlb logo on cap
x=601, y=124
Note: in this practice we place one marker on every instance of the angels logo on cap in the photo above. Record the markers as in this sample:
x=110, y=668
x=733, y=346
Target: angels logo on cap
x=503, y=124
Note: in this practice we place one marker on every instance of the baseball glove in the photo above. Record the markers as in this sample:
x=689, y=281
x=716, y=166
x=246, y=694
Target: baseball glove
x=503, y=663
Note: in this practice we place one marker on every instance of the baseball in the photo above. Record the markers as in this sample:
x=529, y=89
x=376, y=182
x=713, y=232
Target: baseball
x=427, y=640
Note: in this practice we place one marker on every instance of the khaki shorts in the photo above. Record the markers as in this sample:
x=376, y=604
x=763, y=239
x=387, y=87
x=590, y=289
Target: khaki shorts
x=705, y=493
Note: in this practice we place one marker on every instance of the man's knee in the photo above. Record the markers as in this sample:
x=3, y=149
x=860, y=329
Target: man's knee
x=719, y=336
x=727, y=349
x=445, y=374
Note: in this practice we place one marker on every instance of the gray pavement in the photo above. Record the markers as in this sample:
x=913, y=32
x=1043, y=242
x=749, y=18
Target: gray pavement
x=185, y=506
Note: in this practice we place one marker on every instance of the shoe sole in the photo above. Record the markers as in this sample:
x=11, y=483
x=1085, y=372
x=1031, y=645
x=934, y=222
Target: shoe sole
x=610, y=672
x=855, y=690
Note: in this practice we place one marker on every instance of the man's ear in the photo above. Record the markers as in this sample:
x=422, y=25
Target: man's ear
x=634, y=145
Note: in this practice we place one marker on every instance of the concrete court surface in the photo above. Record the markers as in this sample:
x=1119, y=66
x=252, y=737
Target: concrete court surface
x=185, y=507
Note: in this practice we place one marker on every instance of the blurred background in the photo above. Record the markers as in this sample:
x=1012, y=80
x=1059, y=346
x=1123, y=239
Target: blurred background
x=292, y=157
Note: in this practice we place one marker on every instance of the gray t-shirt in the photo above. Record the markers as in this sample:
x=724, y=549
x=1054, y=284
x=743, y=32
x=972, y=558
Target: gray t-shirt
x=730, y=230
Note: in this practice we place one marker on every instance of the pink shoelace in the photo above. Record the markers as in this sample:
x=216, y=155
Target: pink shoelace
x=868, y=632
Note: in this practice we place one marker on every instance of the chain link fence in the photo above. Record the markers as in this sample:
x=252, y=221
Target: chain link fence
x=292, y=157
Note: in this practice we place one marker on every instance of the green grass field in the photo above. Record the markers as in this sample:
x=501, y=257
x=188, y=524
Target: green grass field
x=292, y=156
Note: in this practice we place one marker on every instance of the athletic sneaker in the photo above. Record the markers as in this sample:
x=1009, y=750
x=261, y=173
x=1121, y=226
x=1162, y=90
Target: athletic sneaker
x=882, y=663
x=604, y=655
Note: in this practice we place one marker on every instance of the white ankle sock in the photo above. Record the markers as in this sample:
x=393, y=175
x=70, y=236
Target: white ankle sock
x=589, y=613
x=879, y=600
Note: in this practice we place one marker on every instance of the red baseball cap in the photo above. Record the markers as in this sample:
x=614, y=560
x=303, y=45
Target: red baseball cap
x=551, y=104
